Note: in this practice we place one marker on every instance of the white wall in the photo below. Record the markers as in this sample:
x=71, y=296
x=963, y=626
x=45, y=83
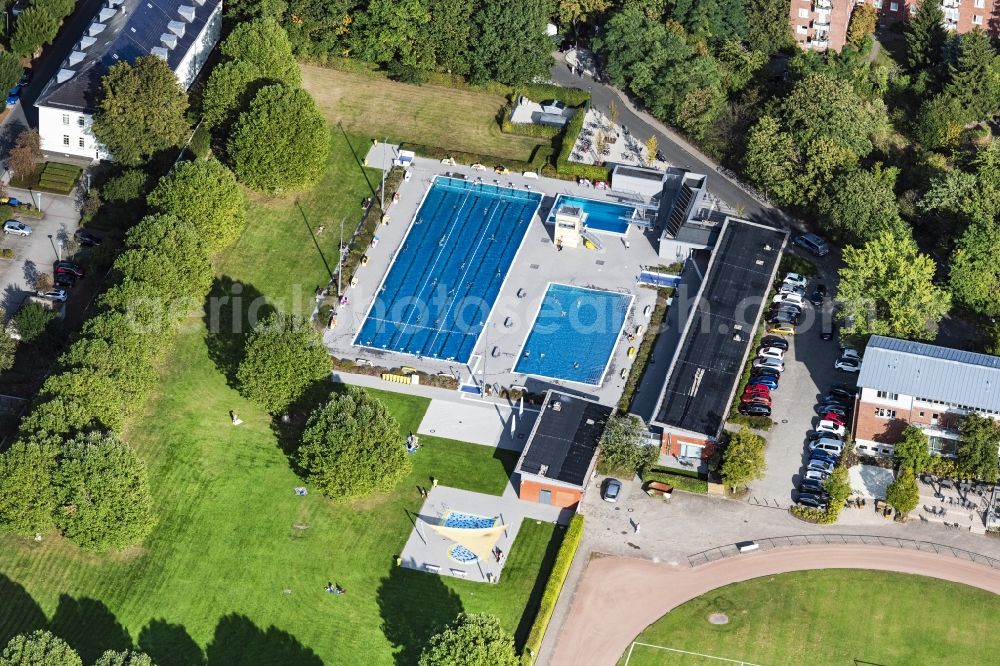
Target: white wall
x=200, y=49
x=61, y=133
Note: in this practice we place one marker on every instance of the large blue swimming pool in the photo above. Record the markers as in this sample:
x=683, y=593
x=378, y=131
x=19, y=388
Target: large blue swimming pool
x=602, y=216
x=442, y=285
x=574, y=334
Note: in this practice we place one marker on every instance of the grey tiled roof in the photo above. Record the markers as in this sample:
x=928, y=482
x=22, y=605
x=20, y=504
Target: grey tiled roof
x=935, y=373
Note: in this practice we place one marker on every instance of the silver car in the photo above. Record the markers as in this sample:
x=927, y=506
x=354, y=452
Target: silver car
x=57, y=295
x=16, y=228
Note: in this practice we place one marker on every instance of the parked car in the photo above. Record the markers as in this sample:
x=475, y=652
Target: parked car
x=813, y=501
x=69, y=267
x=16, y=228
x=823, y=456
x=67, y=280
x=839, y=419
x=833, y=446
x=770, y=352
x=847, y=364
x=813, y=243
x=87, y=239
x=818, y=294
x=783, y=318
x=770, y=382
x=847, y=391
x=611, y=489
x=754, y=409
x=775, y=363
x=813, y=435
x=825, y=466
x=14, y=95
x=785, y=307
x=836, y=400
x=790, y=297
x=759, y=372
x=830, y=426
x=756, y=389
x=787, y=288
x=813, y=487
x=814, y=475
x=774, y=341
x=796, y=280
x=58, y=295
x=781, y=329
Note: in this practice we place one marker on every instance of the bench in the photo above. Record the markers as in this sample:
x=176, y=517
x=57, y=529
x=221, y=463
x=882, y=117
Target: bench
x=433, y=568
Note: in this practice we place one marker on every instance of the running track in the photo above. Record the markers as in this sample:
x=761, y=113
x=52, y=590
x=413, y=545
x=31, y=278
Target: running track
x=619, y=597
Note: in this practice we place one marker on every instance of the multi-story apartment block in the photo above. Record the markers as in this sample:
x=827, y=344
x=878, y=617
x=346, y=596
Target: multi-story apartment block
x=903, y=383
x=822, y=24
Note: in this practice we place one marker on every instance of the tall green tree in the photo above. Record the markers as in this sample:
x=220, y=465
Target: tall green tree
x=743, y=459
x=471, y=640
x=838, y=488
x=229, y=89
x=11, y=70
x=282, y=359
x=975, y=77
x=974, y=275
x=264, y=44
x=352, y=447
x=447, y=36
x=103, y=402
x=389, y=30
x=34, y=28
x=939, y=122
x=772, y=161
x=40, y=648
x=862, y=205
x=104, y=498
x=167, y=252
x=979, y=447
x=27, y=494
x=864, y=20
x=573, y=12
x=912, y=451
x=622, y=451
x=8, y=348
x=281, y=142
x=248, y=10
x=124, y=658
x=511, y=45
x=925, y=36
x=887, y=288
x=141, y=110
x=902, y=494
x=768, y=28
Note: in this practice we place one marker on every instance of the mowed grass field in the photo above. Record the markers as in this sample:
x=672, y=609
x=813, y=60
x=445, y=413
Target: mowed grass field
x=235, y=571
x=460, y=120
x=829, y=617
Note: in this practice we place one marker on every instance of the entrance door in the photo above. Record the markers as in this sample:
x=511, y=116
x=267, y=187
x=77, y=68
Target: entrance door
x=545, y=497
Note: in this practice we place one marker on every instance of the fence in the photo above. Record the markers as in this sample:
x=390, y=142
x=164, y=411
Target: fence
x=770, y=543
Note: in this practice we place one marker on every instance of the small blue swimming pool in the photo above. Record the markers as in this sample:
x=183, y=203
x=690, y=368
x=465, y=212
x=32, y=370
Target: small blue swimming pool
x=602, y=216
x=574, y=334
x=467, y=521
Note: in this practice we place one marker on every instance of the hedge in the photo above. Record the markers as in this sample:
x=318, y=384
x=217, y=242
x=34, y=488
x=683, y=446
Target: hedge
x=566, y=168
x=645, y=349
x=677, y=479
x=756, y=422
x=24, y=212
x=526, y=129
x=557, y=577
x=792, y=263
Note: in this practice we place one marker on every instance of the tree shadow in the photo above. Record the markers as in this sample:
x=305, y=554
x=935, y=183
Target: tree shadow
x=414, y=606
x=89, y=627
x=19, y=612
x=238, y=640
x=231, y=311
x=538, y=588
x=170, y=645
x=357, y=159
x=312, y=235
x=288, y=429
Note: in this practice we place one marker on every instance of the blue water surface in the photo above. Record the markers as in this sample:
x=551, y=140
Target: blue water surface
x=602, y=216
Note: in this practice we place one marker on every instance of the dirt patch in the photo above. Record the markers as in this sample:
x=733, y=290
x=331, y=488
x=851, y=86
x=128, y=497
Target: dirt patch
x=718, y=618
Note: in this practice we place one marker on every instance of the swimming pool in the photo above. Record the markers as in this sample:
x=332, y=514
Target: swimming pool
x=574, y=334
x=446, y=276
x=602, y=216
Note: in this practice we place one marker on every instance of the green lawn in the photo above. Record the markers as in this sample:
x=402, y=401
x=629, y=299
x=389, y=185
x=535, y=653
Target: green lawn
x=235, y=571
x=830, y=617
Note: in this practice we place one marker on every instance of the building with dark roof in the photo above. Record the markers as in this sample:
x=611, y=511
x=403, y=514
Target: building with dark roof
x=561, y=452
x=905, y=383
x=715, y=342
x=181, y=32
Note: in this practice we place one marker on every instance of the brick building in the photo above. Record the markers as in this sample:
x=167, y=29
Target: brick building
x=932, y=387
x=822, y=24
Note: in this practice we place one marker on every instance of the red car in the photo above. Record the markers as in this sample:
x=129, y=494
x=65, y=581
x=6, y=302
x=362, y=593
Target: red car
x=836, y=418
x=757, y=398
x=756, y=388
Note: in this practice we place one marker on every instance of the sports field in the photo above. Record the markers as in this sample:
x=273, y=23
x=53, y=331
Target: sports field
x=235, y=571
x=850, y=617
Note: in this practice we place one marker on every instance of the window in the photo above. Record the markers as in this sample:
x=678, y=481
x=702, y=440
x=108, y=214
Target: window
x=65, y=119
x=977, y=19
x=883, y=413
x=942, y=446
x=878, y=4
x=81, y=142
x=803, y=12
x=893, y=6
x=65, y=139
x=913, y=8
x=978, y=4
x=801, y=29
x=887, y=395
x=921, y=413
x=80, y=120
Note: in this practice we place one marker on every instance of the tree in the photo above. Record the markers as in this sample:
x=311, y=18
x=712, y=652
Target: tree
x=264, y=44
x=471, y=640
x=978, y=447
x=27, y=494
x=57, y=8
x=911, y=451
x=282, y=358
x=925, y=36
x=975, y=273
x=864, y=20
x=903, y=494
x=390, y=29
x=862, y=205
x=447, y=36
x=511, y=47
x=838, y=488
x=32, y=320
x=8, y=348
x=940, y=122
x=40, y=648
x=352, y=447
x=622, y=451
x=228, y=91
x=739, y=64
x=247, y=10
x=104, y=497
x=768, y=28
x=11, y=70
x=743, y=459
x=168, y=253
x=130, y=368
x=887, y=288
x=128, y=186
x=206, y=194
x=124, y=658
x=281, y=142
x=652, y=145
x=975, y=77
x=571, y=12
x=34, y=28
x=772, y=161
x=141, y=110
x=96, y=391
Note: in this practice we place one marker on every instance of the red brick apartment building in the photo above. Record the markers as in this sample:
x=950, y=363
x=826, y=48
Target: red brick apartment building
x=822, y=24
x=931, y=387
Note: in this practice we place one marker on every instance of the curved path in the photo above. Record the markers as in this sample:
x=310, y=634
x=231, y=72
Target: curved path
x=619, y=597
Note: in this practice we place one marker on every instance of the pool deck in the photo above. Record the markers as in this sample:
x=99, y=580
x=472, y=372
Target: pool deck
x=613, y=267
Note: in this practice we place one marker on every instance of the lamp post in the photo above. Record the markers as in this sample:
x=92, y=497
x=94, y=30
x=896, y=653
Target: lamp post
x=381, y=191
x=52, y=242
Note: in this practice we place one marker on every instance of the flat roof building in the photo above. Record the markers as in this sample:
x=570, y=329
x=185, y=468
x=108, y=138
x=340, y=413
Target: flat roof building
x=561, y=452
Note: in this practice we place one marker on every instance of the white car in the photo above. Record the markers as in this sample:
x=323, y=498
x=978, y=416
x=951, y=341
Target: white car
x=831, y=427
x=770, y=352
x=850, y=353
x=16, y=228
x=796, y=280
x=846, y=364
x=57, y=295
x=815, y=475
x=789, y=288
x=792, y=297
x=774, y=363
x=821, y=466
x=827, y=444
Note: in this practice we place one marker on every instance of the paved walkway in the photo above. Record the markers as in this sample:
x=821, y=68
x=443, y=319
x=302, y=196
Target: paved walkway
x=619, y=597
x=491, y=425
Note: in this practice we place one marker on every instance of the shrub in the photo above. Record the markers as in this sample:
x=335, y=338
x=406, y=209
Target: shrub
x=33, y=29
x=676, y=478
x=743, y=460
x=553, y=587
x=40, y=648
x=129, y=185
x=792, y=263
x=622, y=451
x=645, y=349
x=471, y=640
x=33, y=320
x=352, y=447
x=124, y=658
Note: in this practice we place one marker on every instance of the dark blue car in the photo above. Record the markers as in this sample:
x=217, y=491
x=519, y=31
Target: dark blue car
x=14, y=96
x=769, y=382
